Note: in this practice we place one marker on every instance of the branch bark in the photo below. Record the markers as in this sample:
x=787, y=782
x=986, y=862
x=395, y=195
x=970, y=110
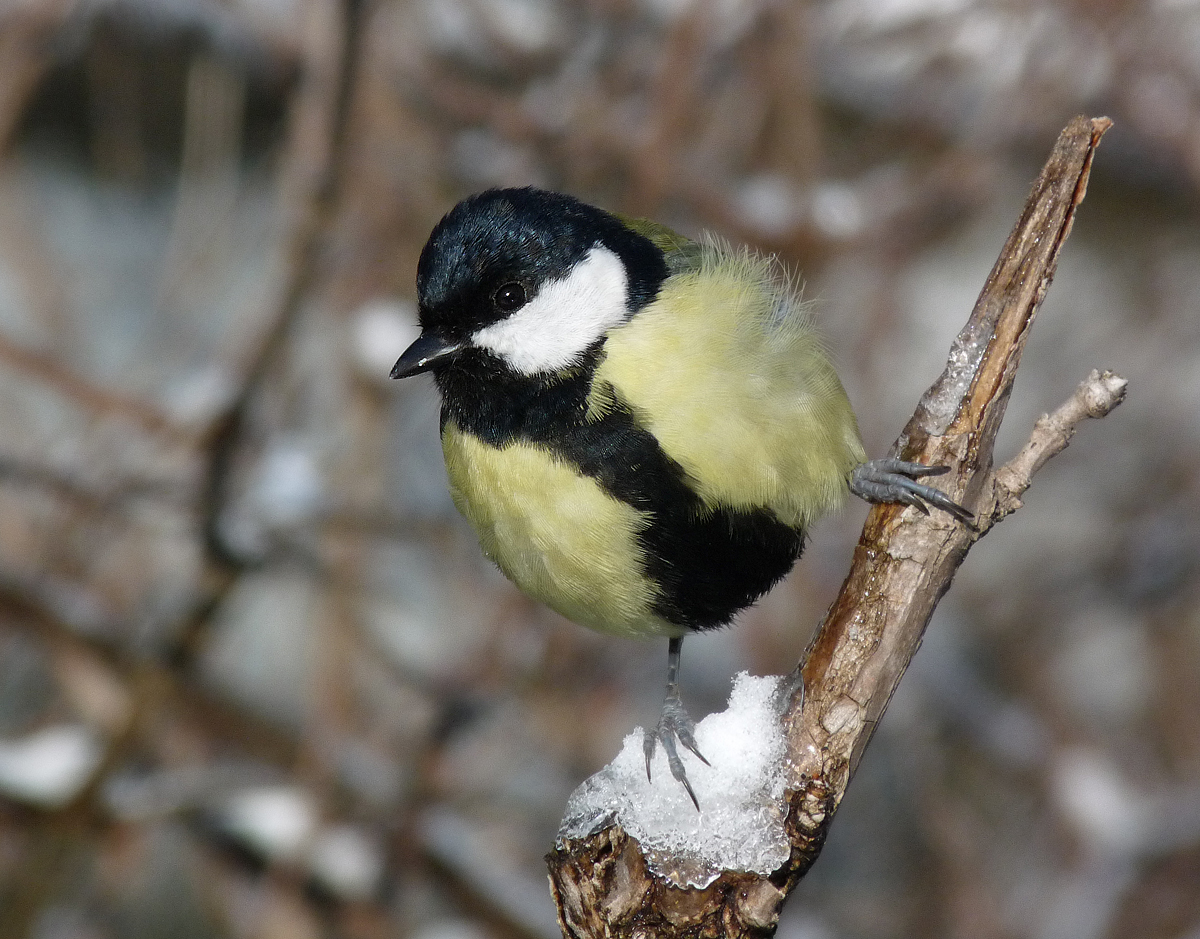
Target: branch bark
x=903, y=564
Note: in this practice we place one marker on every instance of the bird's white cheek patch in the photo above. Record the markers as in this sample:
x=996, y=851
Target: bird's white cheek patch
x=566, y=317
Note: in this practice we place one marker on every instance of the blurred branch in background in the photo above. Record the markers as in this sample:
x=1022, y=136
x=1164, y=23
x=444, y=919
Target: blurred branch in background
x=255, y=679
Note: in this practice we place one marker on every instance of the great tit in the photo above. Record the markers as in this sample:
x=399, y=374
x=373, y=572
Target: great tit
x=640, y=428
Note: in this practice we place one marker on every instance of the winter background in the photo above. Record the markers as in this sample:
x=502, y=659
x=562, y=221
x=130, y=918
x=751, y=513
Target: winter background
x=256, y=680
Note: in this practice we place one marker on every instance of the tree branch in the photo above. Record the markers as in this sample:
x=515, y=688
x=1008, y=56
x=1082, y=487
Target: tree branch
x=902, y=566
x=315, y=158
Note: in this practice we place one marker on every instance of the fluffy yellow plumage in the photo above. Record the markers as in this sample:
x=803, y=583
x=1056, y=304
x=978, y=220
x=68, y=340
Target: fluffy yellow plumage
x=724, y=369
x=556, y=534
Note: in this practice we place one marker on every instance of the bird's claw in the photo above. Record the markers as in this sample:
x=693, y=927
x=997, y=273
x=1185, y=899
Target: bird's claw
x=892, y=480
x=675, y=724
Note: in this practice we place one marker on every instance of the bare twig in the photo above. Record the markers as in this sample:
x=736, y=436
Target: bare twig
x=318, y=121
x=26, y=34
x=1096, y=395
x=314, y=160
x=103, y=495
x=902, y=566
x=88, y=394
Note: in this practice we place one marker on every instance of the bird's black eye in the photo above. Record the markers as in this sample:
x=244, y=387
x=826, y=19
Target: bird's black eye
x=510, y=297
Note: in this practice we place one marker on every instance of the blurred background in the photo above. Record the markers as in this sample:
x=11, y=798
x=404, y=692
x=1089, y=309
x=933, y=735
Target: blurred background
x=256, y=680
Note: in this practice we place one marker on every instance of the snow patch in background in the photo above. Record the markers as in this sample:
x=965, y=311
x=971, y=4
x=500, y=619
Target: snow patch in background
x=49, y=767
x=739, y=826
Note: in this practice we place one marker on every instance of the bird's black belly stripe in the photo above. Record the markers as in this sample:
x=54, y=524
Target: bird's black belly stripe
x=708, y=564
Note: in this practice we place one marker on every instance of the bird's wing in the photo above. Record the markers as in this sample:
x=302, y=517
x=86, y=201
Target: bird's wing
x=682, y=254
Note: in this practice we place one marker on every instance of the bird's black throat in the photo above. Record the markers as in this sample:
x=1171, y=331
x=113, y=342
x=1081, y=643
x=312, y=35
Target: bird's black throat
x=709, y=563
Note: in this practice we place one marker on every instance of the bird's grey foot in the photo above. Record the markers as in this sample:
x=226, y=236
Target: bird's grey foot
x=896, y=481
x=674, y=725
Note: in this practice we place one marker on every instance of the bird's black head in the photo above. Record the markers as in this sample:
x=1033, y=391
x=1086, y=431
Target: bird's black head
x=528, y=278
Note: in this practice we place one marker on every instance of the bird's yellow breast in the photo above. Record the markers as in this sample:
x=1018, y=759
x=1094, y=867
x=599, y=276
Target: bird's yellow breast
x=555, y=533
x=726, y=371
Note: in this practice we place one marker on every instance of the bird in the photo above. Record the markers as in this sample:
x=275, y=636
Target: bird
x=641, y=428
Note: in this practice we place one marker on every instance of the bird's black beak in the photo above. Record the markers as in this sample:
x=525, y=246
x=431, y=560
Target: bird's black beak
x=423, y=354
